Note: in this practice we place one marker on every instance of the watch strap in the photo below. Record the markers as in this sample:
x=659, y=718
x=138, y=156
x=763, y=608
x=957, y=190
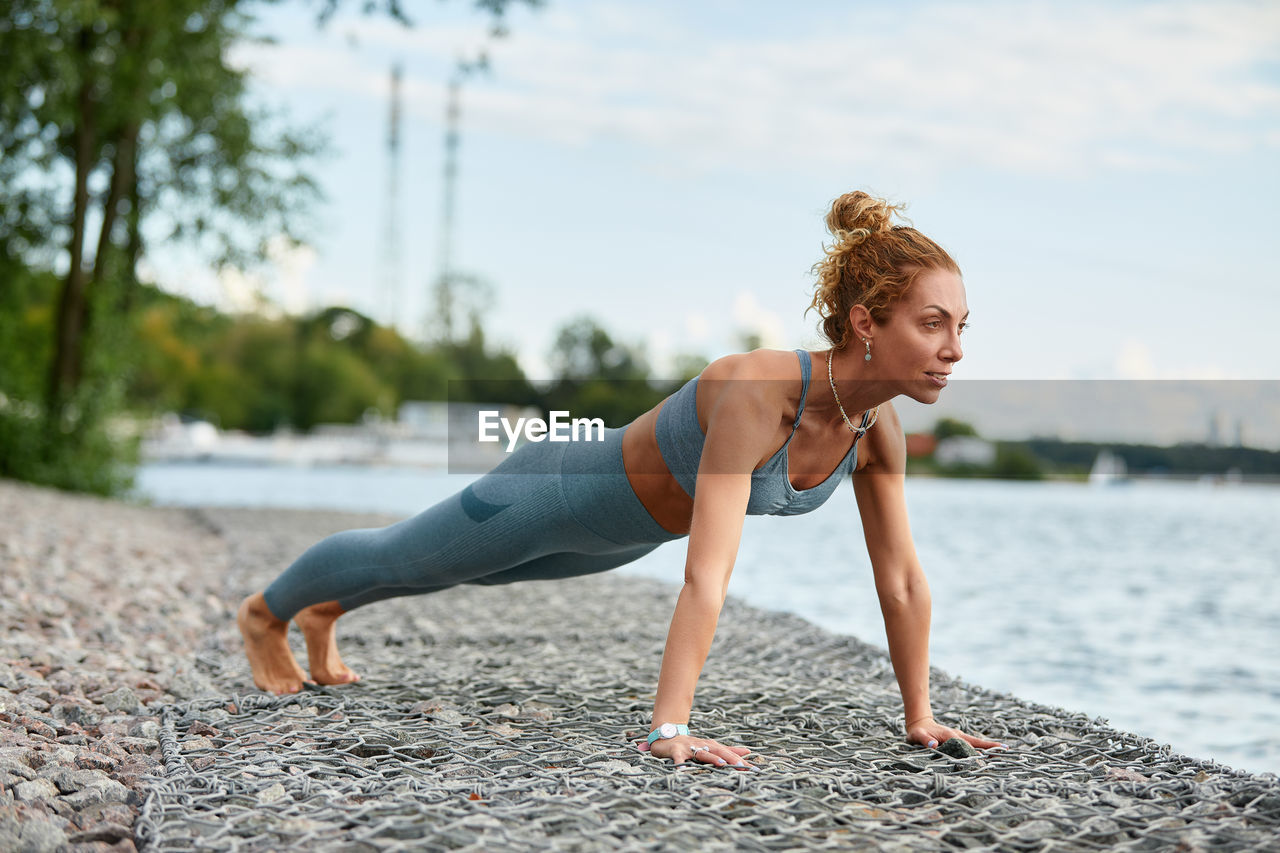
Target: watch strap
x=656, y=734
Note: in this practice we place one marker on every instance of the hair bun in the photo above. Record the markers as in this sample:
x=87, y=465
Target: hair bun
x=859, y=212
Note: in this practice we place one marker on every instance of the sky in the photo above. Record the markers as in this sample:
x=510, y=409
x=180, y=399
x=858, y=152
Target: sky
x=1105, y=173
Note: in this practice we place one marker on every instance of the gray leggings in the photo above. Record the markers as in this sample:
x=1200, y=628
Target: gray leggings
x=550, y=510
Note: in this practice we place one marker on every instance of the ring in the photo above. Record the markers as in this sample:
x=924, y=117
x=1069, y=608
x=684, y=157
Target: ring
x=698, y=749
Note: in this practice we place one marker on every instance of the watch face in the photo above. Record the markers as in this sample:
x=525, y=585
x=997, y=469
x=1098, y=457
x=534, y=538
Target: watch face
x=669, y=730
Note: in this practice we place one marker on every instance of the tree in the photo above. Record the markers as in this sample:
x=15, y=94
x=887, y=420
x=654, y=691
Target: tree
x=583, y=350
x=496, y=9
x=687, y=366
x=1015, y=462
x=123, y=125
x=947, y=427
x=125, y=114
x=481, y=374
x=598, y=376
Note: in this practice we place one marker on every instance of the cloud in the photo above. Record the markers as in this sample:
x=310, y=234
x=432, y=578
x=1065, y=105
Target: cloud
x=1021, y=87
x=696, y=328
x=1134, y=361
x=752, y=318
x=279, y=285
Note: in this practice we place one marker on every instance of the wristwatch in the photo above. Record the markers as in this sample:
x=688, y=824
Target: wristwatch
x=668, y=730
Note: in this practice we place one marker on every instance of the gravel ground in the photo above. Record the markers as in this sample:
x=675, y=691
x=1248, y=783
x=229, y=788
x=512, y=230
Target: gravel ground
x=109, y=612
x=502, y=718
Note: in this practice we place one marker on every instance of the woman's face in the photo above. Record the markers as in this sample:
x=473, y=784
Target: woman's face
x=918, y=346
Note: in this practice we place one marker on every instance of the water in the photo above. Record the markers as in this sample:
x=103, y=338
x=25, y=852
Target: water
x=1154, y=605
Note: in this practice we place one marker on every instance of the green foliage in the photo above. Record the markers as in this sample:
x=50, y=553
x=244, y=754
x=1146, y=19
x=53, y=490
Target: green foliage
x=26, y=320
x=1180, y=459
x=1040, y=458
x=395, y=9
x=118, y=119
x=961, y=470
x=583, y=350
x=332, y=383
x=87, y=448
x=688, y=366
x=148, y=87
x=947, y=427
x=599, y=377
x=249, y=377
x=1015, y=462
x=83, y=453
x=260, y=374
x=478, y=374
x=180, y=355
x=1012, y=461
x=123, y=121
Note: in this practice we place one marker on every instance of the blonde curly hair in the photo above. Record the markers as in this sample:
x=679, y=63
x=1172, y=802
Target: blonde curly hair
x=871, y=262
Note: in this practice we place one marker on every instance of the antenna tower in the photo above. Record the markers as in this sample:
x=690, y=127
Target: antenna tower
x=444, y=281
x=447, y=278
x=391, y=234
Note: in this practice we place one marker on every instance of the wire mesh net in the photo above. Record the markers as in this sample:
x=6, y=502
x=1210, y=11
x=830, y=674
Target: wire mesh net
x=507, y=718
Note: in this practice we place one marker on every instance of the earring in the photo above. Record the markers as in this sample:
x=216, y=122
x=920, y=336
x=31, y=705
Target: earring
x=867, y=357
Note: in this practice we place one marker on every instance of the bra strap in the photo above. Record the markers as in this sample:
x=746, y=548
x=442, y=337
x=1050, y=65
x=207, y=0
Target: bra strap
x=806, y=368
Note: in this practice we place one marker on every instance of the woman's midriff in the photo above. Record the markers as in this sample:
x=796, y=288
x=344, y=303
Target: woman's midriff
x=650, y=478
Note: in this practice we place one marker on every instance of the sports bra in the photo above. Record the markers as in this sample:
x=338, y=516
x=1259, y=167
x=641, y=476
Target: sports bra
x=680, y=441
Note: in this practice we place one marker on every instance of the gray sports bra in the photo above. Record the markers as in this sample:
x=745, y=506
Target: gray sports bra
x=680, y=440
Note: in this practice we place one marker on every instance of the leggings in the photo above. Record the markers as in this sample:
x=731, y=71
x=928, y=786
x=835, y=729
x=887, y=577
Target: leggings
x=550, y=510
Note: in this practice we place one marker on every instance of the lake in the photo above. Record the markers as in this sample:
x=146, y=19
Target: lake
x=1152, y=604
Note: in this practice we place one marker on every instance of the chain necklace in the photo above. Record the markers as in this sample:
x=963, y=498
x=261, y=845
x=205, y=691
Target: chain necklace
x=853, y=429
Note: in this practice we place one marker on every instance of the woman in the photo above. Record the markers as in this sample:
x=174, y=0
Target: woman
x=751, y=435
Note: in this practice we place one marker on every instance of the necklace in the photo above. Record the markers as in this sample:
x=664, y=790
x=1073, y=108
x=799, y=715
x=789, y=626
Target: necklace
x=853, y=429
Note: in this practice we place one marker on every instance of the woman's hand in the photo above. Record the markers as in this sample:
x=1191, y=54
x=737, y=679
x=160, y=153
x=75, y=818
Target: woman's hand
x=929, y=732
x=684, y=747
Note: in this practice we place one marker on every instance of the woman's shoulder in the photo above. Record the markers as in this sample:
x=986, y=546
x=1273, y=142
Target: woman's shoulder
x=750, y=386
x=757, y=364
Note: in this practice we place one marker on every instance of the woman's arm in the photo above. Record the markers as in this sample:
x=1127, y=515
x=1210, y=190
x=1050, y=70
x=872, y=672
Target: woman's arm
x=741, y=424
x=900, y=582
x=900, y=585
x=718, y=512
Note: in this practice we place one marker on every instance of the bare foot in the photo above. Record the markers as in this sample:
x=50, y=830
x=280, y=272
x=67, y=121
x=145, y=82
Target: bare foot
x=266, y=642
x=319, y=626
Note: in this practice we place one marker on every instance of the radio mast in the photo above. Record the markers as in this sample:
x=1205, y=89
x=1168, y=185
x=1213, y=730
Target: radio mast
x=447, y=278
x=391, y=234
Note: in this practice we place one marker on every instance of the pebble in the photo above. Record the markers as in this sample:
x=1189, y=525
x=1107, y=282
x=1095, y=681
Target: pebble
x=69, y=712
x=107, y=791
x=148, y=729
x=271, y=794
x=16, y=768
x=36, y=789
x=194, y=744
x=188, y=685
x=957, y=748
x=94, y=760
x=63, y=777
x=94, y=642
x=40, y=836
x=122, y=699
x=106, y=832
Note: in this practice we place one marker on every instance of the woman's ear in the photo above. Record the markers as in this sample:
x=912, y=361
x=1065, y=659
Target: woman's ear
x=860, y=322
